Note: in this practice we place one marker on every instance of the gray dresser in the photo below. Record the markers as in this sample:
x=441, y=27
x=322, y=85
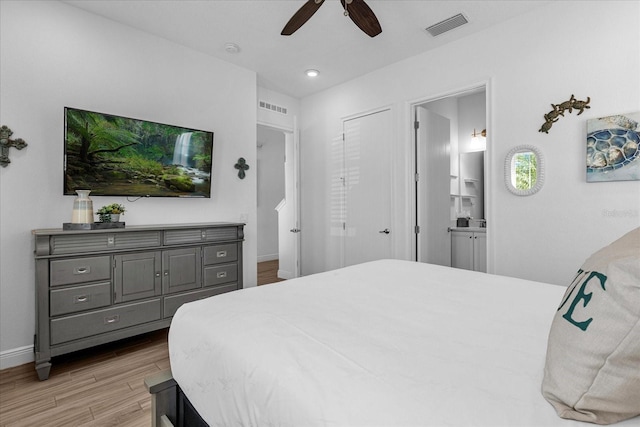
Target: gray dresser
x=97, y=286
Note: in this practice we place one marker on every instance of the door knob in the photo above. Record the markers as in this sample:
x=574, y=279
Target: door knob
x=295, y=230
x=385, y=231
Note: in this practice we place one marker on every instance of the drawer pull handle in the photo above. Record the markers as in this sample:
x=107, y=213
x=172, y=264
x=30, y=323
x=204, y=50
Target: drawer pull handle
x=221, y=254
x=82, y=270
x=81, y=298
x=221, y=274
x=112, y=319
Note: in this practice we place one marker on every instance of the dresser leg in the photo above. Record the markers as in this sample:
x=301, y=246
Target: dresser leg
x=43, y=369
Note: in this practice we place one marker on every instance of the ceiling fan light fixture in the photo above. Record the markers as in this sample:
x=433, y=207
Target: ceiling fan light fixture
x=312, y=73
x=357, y=10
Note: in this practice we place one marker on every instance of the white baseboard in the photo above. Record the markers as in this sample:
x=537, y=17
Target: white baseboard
x=16, y=357
x=284, y=274
x=270, y=257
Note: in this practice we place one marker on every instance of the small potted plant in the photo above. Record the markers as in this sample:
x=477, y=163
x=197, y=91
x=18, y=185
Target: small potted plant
x=111, y=213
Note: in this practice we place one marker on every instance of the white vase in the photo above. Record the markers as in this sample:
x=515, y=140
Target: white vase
x=82, y=208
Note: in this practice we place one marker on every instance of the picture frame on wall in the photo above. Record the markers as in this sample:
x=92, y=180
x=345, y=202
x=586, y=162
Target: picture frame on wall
x=613, y=148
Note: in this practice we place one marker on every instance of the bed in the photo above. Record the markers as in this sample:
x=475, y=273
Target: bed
x=384, y=343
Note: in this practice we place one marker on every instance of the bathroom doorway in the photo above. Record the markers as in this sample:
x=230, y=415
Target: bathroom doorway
x=448, y=131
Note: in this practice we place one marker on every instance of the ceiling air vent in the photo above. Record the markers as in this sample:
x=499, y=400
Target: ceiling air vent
x=447, y=25
x=272, y=107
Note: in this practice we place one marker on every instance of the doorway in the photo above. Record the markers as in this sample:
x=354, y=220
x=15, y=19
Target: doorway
x=445, y=127
x=277, y=201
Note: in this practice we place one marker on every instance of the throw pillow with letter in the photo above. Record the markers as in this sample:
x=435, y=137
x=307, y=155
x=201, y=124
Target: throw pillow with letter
x=592, y=369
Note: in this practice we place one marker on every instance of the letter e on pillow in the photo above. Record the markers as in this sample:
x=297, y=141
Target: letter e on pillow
x=592, y=369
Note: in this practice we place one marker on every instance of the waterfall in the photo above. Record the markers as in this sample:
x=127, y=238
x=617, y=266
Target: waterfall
x=181, y=151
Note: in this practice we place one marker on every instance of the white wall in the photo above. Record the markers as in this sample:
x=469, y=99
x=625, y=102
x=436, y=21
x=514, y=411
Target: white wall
x=472, y=112
x=271, y=190
x=529, y=62
x=54, y=55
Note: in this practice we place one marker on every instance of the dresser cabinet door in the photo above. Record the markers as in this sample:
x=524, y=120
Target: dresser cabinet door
x=181, y=270
x=137, y=276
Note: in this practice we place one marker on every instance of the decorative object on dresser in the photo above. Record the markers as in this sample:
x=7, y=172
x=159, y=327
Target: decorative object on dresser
x=82, y=208
x=98, y=286
x=111, y=213
x=6, y=142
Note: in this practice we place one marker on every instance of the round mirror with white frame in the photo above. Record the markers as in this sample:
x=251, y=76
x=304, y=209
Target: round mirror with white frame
x=524, y=170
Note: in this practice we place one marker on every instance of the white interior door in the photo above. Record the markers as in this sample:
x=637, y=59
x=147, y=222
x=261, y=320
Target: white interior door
x=433, y=187
x=367, y=181
x=289, y=213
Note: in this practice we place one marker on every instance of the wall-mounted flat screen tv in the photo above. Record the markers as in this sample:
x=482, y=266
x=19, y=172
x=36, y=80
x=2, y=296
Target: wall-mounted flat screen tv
x=119, y=156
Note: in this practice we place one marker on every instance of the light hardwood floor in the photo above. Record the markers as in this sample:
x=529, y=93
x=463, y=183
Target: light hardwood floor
x=102, y=386
x=268, y=272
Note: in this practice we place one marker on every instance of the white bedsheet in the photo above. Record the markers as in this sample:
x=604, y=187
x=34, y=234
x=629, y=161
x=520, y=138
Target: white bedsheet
x=387, y=343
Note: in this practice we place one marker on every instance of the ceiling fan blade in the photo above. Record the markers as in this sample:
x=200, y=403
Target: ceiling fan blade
x=363, y=17
x=301, y=16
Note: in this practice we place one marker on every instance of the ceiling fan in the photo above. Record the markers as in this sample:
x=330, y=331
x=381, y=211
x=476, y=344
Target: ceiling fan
x=357, y=10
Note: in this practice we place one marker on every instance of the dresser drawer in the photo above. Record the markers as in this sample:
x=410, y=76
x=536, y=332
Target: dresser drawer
x=94, y=242
x=80, y=298
x=79, y=270
x=171, y=304
x=220, y=253
x=219, y=274
x=85, y=325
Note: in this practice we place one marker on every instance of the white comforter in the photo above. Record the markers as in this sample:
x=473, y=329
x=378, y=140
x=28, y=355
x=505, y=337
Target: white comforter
x=387, y=343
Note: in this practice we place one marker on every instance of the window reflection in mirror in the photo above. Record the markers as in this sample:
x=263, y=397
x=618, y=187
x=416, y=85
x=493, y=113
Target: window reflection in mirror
x=524, y=170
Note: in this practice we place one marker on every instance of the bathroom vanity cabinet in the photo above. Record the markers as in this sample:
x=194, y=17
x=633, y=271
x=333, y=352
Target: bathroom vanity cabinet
x=98, y=286
x=469, y=248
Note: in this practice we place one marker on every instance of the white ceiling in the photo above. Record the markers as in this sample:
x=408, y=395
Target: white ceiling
x=329, y=41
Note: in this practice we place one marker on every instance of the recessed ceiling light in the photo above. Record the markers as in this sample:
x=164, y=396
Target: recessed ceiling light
x=232, y=48
x=312, y=73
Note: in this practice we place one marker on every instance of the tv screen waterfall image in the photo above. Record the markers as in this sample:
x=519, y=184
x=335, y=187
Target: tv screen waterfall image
x=118, y=156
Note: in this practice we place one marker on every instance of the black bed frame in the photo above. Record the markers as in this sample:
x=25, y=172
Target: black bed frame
x=169, y=405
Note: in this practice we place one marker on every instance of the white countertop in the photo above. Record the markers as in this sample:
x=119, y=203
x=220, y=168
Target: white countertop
x=475, y=229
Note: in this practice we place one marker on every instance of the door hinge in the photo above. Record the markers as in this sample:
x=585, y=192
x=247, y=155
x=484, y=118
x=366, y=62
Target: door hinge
x=417, y=177
x=416, y=125
x=344, y=225
x=417, y=229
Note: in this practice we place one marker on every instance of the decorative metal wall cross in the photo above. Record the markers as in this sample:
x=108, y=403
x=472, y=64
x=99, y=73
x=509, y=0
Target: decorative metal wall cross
x=241, y=166
x=6, y=142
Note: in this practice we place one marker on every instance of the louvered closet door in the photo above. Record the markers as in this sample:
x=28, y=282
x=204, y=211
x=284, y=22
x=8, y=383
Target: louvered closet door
x=368, y=233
